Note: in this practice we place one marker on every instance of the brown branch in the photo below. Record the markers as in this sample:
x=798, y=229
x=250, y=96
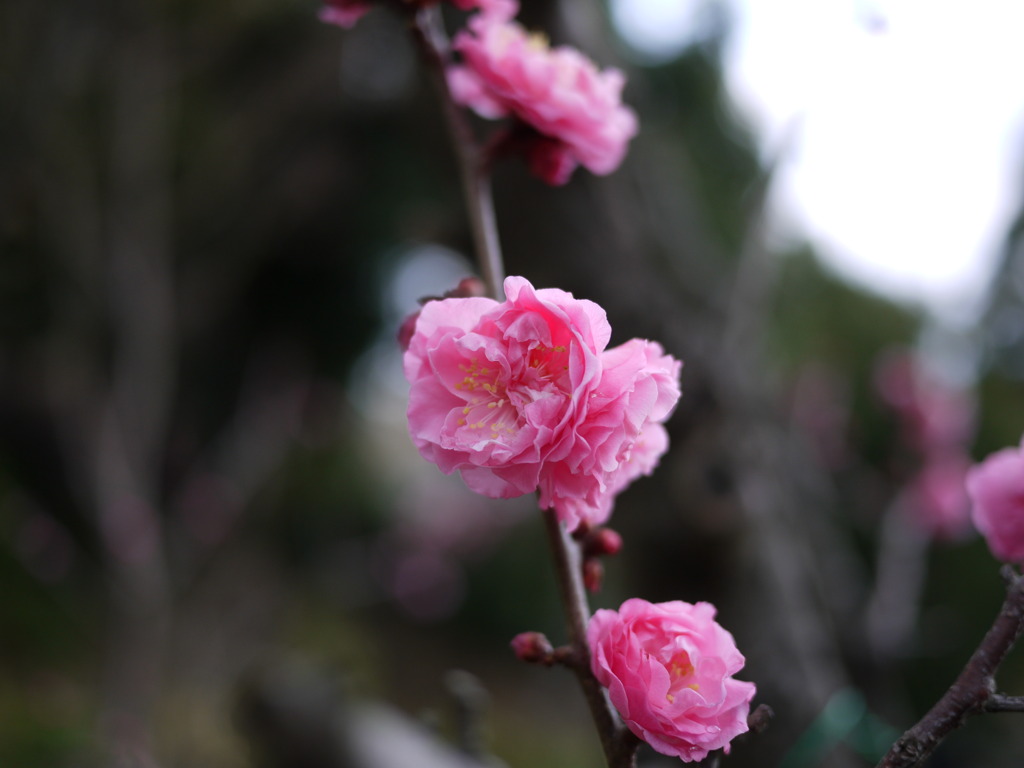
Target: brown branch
x=474, y=167
x=1001, y=703
x=617, y=741
x=974, y=689
x=619, y=744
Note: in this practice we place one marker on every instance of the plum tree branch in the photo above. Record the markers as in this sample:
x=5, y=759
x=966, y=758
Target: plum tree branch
x=974, y=689
x=474, y=165
x=617, y=741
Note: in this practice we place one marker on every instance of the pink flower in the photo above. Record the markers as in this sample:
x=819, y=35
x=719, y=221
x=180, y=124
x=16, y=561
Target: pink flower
x=938, y=497
x=522, y=395
x=933, y=415
x=668, y=669
x=996, y=488
x=344, y=13
x=621, y=437
x=557, y=91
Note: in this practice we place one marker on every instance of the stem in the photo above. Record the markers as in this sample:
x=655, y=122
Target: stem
x=474, y=166
x=619, y=744
x=1000, y=703
x=974, y=689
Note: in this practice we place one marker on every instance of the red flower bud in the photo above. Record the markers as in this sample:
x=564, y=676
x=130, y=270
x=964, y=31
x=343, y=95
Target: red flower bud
x=467, y=288
x=406, y=330
x=533, y=647
x=593, y=574
x=601, y=542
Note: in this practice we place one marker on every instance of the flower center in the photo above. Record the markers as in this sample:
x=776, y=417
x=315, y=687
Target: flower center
x=478, y=378
x=495, y=403
x=551, y=364
x=487, y=410
x=680, y=671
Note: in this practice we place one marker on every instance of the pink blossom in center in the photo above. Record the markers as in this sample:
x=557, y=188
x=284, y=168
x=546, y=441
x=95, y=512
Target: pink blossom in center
x=523, y=396
x=668, y=669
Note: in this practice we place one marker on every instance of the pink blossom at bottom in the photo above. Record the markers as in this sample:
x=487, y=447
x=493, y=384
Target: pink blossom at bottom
x=668, y=669
x=996, y=488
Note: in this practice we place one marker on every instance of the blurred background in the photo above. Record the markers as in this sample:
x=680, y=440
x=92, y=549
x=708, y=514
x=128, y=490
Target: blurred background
x=218, y=546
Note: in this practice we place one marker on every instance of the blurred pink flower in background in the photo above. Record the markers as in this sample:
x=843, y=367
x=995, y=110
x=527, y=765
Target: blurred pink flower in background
x=522, y=395
x=558, y=92
x=938, y=497
x=668, y=669
x=343, y=13
x=933, y=415
x=936, y=422
x=996, y=489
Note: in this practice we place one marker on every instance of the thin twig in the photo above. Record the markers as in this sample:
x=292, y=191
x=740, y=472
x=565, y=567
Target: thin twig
x=618, y=742
x=1000, y=703
x=974, y=689
x=474, y=166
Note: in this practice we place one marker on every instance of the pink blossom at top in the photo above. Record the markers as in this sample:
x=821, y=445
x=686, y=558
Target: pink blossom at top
x=996, y=488
x=668, y=669
x=523, y=396
x=557, y=91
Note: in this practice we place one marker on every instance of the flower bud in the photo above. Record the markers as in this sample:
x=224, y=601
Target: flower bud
x=406, y=331
x=533, y=647
x=601, y=542
x=593, y=574
x=467, y=288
